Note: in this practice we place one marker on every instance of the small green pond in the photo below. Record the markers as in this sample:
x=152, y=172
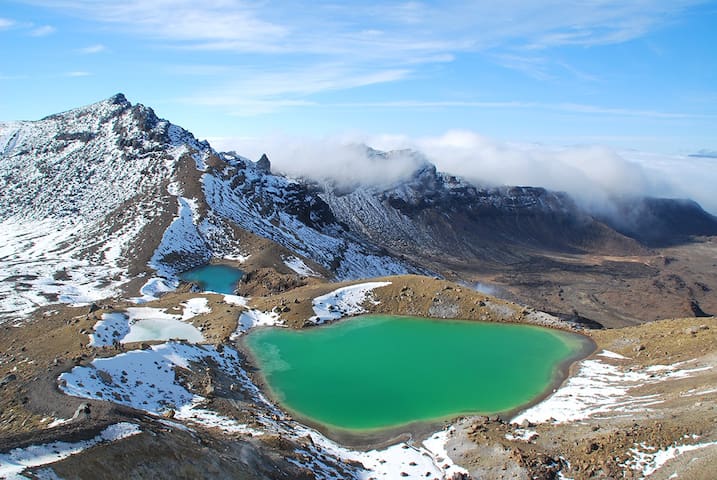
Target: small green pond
x=379, y=372
x=214, y=278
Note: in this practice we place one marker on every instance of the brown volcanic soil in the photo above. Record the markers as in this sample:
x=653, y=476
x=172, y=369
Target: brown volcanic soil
x=409, y=295
x=55, y=339
x=616, y=291
x=599, y=447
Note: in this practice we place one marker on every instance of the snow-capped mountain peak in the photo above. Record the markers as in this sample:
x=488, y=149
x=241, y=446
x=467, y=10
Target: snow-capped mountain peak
x=97, y=195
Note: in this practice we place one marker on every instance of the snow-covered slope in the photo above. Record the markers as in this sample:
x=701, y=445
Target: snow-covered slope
x=78, y=189
x=283, y=210
x=94, y=197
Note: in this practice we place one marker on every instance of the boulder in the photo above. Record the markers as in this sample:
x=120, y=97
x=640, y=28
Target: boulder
x=11, y=377
x=82, y=411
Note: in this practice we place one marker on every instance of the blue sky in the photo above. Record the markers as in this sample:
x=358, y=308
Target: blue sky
x=636, y=74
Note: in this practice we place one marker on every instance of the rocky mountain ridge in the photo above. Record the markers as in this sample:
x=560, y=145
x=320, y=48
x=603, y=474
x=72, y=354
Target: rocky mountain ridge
x=103, y=195
x=433, y=214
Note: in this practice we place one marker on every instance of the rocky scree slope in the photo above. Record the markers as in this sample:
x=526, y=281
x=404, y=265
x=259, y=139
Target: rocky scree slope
x=432, y=215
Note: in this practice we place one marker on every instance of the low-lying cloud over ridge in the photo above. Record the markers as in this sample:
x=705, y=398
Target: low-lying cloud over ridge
x=591, y=174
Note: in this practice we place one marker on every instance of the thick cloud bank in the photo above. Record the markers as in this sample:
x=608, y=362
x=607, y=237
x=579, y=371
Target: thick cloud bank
x=346, y=161
x=591, y=174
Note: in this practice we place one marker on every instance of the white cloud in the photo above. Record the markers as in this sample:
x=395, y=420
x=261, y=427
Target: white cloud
x=78, y=73
x=591, y=174
x=521, y=105
x=6, y=23
x=344, y=46
x=92, y=49
x=42, y=31
x=180, y=20
x=395, y=30
x=341, y=159
x=259, y=91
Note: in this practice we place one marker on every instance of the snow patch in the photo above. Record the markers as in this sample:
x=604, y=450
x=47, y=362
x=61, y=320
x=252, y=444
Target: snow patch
x=237, y=257
x=397, y=461
x=112, y=328
x=210, y=419
x=647, y=460
x=42, y=263
x=143, y=379
x=693, y=392
x=57, y=422
x=236, y=300
x=436, y=444
x=299, y=267
x=154, y=288
x=600, y=388
x=609, y=354
x=401, y=460
x=182, y=237
x=343, y=302
x=14, y=462
x=158, y=329
x=194, y=307
x=146, y=380
x=255, y=318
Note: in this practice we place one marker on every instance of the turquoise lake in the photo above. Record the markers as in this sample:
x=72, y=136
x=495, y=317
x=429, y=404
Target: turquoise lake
x=214, y=278
x=378, y=372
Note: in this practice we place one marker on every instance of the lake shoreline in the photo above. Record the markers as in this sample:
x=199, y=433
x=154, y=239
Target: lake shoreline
x=416, y=431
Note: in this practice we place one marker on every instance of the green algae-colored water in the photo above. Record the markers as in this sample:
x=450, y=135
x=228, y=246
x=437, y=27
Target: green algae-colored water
x=378, y=372
x=214, y=278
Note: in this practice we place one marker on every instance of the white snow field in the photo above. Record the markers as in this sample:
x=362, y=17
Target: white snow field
x=342, y=302
x=299, y=267
x=602, y=388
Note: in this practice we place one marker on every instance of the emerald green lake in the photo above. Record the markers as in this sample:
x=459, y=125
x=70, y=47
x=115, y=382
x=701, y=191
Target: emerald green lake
x=378, y=372
x=214, y=278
